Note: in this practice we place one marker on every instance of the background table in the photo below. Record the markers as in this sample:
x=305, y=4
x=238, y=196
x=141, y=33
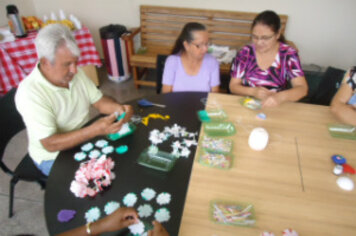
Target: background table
x=18, y=58
x=130, y=177
x=290, y=183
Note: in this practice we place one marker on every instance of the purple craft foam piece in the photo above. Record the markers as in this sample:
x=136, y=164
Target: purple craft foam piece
x=66, y=215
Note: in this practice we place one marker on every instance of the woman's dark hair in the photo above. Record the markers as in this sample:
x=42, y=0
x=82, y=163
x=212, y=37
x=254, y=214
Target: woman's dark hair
x=186, y=35
x=270, y=19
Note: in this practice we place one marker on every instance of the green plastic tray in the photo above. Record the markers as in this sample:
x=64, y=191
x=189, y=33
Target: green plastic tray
x=160, y=160
x=212, y=115
x=219, y=128
x=342, y=131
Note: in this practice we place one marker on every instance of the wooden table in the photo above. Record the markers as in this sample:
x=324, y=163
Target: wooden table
x=290, y=183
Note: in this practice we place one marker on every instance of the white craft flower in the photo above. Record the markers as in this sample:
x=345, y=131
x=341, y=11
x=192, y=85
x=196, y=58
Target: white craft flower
x=148, y=194
x=162, y=215
x=107, y=149
x=94, y=154
x=130, y=199
x=185, y=152
x=176, y=145
x=189, y=143
x=93, y=214
x=87, y=147
x=163, y=198
x=110, y=207
x=145, y=210
x=79, y=156
x=101, y=143
x=137, y=229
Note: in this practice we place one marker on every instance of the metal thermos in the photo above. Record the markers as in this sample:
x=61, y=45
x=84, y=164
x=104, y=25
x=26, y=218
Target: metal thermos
x=15, y=21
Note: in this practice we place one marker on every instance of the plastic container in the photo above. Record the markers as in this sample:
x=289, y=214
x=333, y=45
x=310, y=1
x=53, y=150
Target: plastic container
x=219, y=128
x=342, y=131
x=232, y=213
x=159, y=160
x=212, y=115
x=251, y=103
x=216, y=145
x=215, y=160
x=115, y=51
x=127, y=129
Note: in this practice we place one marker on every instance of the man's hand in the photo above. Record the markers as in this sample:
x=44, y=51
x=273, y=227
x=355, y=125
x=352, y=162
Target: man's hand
x=129, y=112
x=107, y=125
x=158, y=230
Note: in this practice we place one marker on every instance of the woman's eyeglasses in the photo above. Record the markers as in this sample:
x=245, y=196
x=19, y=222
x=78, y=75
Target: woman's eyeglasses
x=201, y=45
x=262, y=38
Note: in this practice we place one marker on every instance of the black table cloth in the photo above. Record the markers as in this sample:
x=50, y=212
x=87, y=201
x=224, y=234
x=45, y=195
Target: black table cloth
x=130, y=176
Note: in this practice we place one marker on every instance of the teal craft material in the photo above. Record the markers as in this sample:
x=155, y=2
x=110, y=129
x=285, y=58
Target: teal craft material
x=122, y=116
x=126, y=129
x=203, y=116
x=122, y=149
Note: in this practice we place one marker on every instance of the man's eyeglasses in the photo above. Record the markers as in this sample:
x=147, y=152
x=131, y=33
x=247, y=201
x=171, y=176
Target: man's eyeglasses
x=262, y=38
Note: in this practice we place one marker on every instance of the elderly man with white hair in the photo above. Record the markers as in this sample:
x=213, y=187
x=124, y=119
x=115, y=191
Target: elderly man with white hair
x=54, y=100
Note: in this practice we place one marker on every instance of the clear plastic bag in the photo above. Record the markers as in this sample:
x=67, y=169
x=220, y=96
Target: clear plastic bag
x=219, y=128
x=212, y=115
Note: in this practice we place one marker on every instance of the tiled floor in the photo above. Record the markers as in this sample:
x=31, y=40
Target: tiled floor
x=28, y=216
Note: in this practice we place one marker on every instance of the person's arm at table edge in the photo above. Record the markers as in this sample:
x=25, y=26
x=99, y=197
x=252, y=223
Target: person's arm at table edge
x=298, y=91
x=237, y=88
x=119, y=219
x=339, y=107
x=167, y=88
x=103, y=126
x=215, y=89
x=62, y=141
x=107, y=105
x=96, y=228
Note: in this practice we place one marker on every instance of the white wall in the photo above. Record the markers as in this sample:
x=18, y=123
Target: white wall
x=323, y=30
x=25, y=7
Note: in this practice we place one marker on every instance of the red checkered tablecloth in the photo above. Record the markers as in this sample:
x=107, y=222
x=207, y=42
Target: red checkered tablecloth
x=18, y=58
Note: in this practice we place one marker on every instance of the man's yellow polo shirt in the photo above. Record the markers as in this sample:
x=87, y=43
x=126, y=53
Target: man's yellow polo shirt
x=47, y=109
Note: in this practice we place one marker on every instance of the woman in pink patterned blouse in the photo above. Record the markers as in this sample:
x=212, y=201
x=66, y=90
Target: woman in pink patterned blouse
x=264, y=68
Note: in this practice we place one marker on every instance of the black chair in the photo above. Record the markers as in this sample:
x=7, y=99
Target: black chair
x=161, y=60
x=10, y=124
x=328, y=86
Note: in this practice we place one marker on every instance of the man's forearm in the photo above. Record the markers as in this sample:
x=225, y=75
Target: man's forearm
x=63, y=141
x=107, y=105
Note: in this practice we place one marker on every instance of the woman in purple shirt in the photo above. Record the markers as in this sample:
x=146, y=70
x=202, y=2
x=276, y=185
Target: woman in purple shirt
x=189, y=67
x=264, y=68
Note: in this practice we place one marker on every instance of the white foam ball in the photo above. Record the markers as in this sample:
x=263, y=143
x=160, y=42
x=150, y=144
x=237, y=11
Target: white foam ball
x=258, y=139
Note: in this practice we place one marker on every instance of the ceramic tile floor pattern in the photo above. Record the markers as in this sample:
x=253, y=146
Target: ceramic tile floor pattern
x=28, y=216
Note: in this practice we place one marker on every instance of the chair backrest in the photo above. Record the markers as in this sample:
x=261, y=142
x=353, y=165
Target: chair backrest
x=160, y=26
x=328, y=86
x=161, y=60
x=10, y=124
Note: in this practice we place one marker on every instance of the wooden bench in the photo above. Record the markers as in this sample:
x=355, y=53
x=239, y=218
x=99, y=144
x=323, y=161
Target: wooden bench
x=160, y=27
